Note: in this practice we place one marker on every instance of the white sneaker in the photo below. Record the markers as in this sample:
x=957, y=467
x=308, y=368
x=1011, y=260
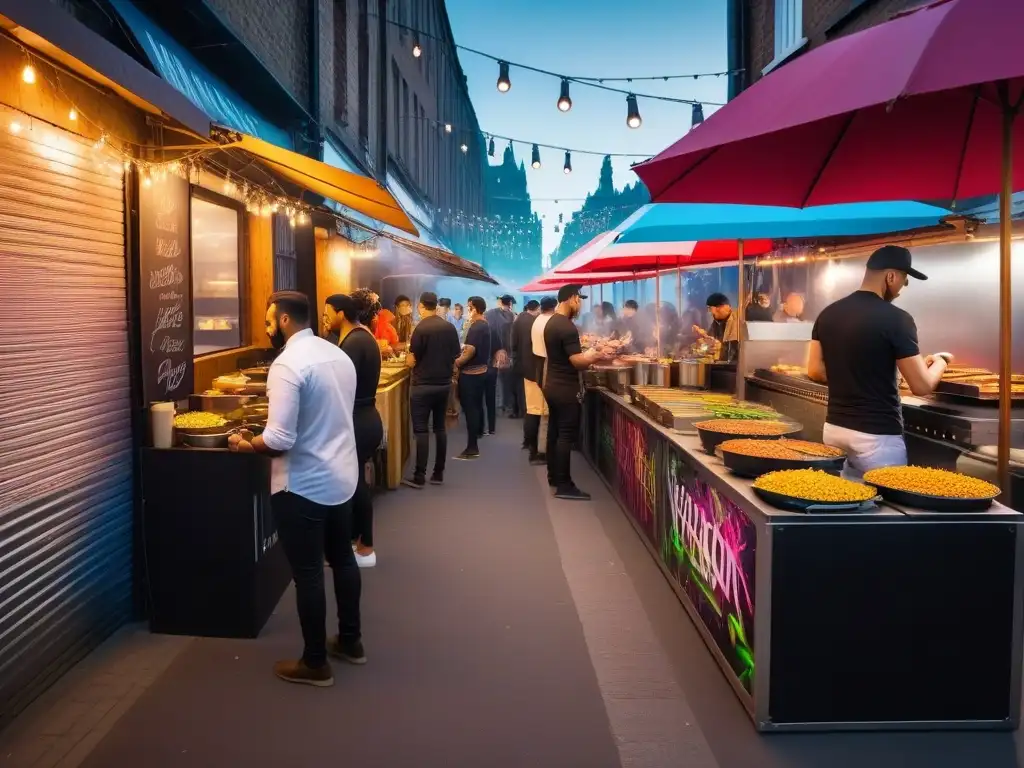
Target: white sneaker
x=366, y=561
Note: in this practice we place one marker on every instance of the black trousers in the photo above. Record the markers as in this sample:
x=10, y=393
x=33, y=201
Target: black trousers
x=563, y=431
x=429, y=401
x=513, y=397
x=472, y=390
x=307, y=530
x=491, y=400
x=369, y=434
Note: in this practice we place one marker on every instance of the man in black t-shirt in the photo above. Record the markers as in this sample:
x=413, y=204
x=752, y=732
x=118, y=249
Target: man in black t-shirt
x=522, y=364
x=472, y=371
x=562, y=389
x=858, y=343
x=433, y=349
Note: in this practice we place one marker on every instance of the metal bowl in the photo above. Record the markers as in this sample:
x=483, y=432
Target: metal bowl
x=215, y=440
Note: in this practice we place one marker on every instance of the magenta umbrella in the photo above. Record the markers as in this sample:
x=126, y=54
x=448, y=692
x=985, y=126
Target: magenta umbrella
x=921, y=107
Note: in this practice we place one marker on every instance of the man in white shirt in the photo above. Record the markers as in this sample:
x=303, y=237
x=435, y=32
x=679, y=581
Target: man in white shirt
x=311, y=387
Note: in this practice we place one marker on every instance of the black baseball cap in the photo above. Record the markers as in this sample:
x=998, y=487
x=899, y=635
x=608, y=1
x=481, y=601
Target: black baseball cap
x=507, y=299
x=717, y=300
x=567, y=292
x=894, y=257
x=548, y=303
x=531, y=305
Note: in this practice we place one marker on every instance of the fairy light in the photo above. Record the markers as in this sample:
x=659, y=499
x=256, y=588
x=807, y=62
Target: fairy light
x=73, y=114
x=15, y=127
x=28, y=74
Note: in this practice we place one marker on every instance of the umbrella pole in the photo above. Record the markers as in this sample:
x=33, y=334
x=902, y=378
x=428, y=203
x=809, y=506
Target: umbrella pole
x=741, y=301
x=679, y=289
x=657, y=303
x=600, y=293
x=1005, y=295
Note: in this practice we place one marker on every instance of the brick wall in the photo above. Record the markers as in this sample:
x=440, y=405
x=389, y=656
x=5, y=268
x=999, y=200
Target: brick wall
x=820, y=19
x=276, y=31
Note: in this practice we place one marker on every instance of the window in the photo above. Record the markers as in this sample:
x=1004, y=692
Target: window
x=414, y=163
x=789, y=31
x=286, y=265
x=364, y=72
x=216, y=302
x=341, y=61
x=405, y=123
x=396, y=113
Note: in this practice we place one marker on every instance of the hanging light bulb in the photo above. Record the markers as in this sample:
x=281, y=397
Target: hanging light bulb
x=567, y=168
x=72, y=114
x=464, y=148
x=535, y=162
x=564, y=102
x=274, y=206
x=147, y=180
x=697, y=115
x=504, y=82
x=417, y=49
x=490, y=147
x=447, y=127
x=28, y=74
x=303, y=218
x=291, y=221
x=633, y=119
x=15, y=127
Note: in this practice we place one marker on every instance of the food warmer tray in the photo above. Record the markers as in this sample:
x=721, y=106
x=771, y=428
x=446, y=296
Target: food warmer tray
x=782, y=501
x=711, y=439
x=972, y=392
x=743, y=465
x=792, y=385
x=934, y=503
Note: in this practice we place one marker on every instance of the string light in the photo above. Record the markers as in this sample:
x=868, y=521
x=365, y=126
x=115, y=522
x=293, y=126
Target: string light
x=15, y=127
x=535, y=162
x=147, y=180
x=447, y=127
x=697, y=116
x=564, y=102
x=417, y=50
x=464, y=148
x=633, y=119
x=567, y=168
x=504, y=82
x=28, y=74
x=73, y=115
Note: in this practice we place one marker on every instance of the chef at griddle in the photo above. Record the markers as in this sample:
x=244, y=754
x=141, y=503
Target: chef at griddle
x=858, y=344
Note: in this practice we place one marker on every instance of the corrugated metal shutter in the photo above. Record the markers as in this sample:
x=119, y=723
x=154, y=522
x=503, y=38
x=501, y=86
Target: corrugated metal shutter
x=65, y=437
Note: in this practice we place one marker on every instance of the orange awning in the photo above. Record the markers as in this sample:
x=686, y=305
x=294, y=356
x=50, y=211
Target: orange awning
x=360, y=193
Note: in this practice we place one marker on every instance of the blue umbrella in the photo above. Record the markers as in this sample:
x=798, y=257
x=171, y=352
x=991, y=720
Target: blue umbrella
x=674, y=222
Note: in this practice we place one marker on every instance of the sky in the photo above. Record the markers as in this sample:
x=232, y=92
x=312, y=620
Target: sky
x=588, y=38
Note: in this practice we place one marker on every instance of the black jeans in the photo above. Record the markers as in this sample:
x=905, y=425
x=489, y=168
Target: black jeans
x=472, y=388
x=307, y=530
x=491, y=400
x=511, y=387
x=369, y=434
x=563, y=430
x=429, y=401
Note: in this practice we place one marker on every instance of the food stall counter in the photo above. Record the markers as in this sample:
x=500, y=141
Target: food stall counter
x=393, y=406
x=889, y=618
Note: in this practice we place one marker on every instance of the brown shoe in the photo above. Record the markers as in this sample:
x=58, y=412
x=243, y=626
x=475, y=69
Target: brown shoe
x=298, y=672
x=346, y=650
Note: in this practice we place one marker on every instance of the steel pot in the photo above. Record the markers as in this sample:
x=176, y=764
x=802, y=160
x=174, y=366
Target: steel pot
x=641, y=373
x=658, y=374
x=692, y=373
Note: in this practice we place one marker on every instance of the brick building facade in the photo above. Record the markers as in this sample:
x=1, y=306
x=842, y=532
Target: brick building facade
x=765, y=34
x=316, y=68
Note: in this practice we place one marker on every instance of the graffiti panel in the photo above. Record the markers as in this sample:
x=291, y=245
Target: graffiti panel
x=709, y=548
x=637, y=473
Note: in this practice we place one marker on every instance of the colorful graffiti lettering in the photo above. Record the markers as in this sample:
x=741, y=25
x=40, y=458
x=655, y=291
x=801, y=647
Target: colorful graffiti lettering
x=709, y=546
x=636, y=470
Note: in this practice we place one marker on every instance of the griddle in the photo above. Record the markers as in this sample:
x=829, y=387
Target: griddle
x=963, y=422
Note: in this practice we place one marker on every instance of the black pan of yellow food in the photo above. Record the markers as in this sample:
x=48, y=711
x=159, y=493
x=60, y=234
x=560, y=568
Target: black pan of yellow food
x=813, y=490
x=716, y=431
x=935, y=490
x=753, y=458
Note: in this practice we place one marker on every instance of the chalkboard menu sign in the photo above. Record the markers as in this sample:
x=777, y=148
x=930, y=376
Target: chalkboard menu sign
x=166, y=289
